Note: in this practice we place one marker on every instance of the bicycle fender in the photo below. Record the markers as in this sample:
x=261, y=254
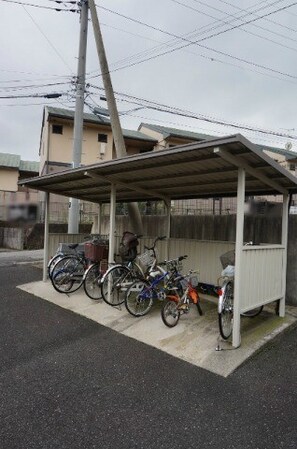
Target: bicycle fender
x=221, y=297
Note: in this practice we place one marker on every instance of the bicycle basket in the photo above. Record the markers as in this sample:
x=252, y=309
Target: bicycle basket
x=96, y=251
x=192, y=279
x=174, y=265
x=147, y=258
x=228, y=258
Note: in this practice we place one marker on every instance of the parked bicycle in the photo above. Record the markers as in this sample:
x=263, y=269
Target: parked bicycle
x=226, y=295
x=117, y=279
x=64, y=249
x=143, y=291
x=68, y=274
x=177, y=304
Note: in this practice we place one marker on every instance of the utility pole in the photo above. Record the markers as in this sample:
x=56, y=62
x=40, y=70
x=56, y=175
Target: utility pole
x=119, y=142
x=73, y=217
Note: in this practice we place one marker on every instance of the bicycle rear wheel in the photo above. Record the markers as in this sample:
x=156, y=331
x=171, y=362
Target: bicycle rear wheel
x=169, y=313
x=139, y=298
x=226, y=315
x=115, y=284
x=92, y=282
x=67, y=274
x=52, y=263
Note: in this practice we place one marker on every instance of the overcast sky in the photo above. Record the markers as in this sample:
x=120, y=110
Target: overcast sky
x=254, y=86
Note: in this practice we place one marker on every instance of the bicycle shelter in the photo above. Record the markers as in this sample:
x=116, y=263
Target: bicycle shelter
x=228, y=166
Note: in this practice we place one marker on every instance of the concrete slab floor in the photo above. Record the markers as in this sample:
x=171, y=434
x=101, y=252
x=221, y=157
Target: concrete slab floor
x=194, y=339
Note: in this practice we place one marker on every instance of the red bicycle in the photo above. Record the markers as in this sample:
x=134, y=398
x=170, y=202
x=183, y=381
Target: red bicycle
x=177, y=303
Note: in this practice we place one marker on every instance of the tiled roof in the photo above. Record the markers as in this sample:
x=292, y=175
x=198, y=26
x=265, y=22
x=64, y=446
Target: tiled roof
x=14, y=161
x=9, y=160
x=175, y=132
x=288, y=154
x=30, y=166
x=92, y=118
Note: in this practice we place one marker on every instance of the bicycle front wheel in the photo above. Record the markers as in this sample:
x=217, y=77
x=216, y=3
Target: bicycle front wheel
x=67, y=274
x=169, y=313
x=115, y=284
x=92, y=282
x=139, y=298
x=226, y=315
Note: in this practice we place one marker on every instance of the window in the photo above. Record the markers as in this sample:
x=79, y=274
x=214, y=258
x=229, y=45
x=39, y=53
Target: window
x=292, y=166
x=57, y=129
x=102, y=138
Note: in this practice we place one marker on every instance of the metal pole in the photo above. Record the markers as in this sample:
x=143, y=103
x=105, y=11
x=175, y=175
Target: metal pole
x=236, y=339
x=46, y=235
x=119, y=142
x=285, y=220
x=168, y=230
x=112, y=224
x=73, y=218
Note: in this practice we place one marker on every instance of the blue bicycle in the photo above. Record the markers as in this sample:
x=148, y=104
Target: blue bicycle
x=142, y=292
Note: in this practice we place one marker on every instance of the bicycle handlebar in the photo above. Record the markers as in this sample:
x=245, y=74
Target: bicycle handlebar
x=172, y=261
x=155, y=241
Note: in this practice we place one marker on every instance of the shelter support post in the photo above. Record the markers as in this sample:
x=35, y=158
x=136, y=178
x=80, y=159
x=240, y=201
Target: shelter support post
x=46, y=236
x=112, y=224
x=99, y=218
x=236, y=338
x=285, y=245
x=96, y=227
x=168, y=226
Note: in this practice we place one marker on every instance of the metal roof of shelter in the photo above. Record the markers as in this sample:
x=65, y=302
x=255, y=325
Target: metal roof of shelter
x=197, y=170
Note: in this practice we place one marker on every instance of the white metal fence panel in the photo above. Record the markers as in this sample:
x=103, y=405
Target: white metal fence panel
x=202, y=255
x=56, y=239
x=261, y=280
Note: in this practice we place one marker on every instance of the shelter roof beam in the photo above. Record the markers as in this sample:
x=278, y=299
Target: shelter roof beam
x=129, y=186
x=235, y=160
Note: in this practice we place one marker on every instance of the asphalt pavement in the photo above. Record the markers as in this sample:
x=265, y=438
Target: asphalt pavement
x=68, y=382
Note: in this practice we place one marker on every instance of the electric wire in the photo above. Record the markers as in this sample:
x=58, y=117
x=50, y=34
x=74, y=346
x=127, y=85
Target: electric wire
x=265, y=19
x=48, y=41
x=38, y=6
x=241, y=29
x=189, y=114
x=189, y=42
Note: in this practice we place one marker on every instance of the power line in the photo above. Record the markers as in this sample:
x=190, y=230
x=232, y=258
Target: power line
x=38, y=6
x=210, y=58
x=47, y=95
x=48, y=41
x=189, y=42
x=266, y=20
x=239, y=18
x=184, y=113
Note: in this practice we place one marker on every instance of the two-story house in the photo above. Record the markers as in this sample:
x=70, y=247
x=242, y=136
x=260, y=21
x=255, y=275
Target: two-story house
x=56, y=146
x=17, y=202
